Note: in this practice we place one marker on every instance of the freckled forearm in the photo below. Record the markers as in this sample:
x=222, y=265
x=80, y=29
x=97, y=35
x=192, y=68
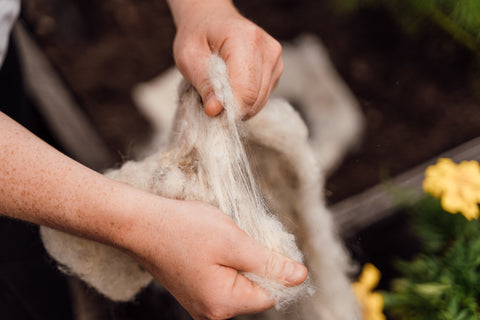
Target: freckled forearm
x=40, y=185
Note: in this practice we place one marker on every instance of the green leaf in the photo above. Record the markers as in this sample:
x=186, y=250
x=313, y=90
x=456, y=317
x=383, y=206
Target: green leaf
x=443, y=281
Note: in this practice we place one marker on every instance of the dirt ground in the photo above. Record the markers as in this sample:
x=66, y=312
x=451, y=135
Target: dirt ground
x=417, y=92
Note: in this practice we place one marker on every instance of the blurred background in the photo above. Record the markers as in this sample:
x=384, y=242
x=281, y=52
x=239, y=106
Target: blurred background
x=412, y=65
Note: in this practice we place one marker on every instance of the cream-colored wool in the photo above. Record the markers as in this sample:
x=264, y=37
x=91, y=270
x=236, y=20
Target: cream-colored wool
x=329, y=109
x=291, y=162
x=233, y=185
x=292, y=183
x=204, y=160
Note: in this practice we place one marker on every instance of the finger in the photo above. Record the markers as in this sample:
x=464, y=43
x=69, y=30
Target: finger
x=277, y=72
x=193, y=64
x=273, y=68
x=235, y=295
x=248, y=255
x=284, y=270
x=244, y=64
x=248, y=297
x=211, y=104
x=262, y=98
x=272, y=83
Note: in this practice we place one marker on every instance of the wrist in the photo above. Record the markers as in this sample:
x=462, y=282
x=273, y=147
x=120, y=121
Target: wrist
x=137, y=222
x=185, y=11
x=123, y=215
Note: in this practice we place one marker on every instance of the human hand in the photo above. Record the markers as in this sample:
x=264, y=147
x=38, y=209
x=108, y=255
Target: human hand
x=253, y=57
x=197, y=257
x=193, y=249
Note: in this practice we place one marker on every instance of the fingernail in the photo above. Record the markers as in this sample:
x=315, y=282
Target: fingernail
x=295, y=273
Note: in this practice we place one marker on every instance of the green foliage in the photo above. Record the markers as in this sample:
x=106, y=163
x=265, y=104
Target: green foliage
x=460, y=18
x=443, y=282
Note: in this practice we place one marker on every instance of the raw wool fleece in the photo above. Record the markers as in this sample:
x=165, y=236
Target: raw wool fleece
x=332, y=114
x=290, y=181
x=205, y=161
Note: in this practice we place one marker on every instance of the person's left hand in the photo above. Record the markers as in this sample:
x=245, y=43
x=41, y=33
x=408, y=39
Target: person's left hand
x=253, y=57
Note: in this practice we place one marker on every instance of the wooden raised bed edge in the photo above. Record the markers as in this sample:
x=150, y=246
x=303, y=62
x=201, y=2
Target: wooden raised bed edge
x=377, y=203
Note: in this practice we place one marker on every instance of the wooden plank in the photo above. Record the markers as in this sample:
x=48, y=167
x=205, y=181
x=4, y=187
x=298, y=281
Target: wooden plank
x=378, y=202
x=66, y=120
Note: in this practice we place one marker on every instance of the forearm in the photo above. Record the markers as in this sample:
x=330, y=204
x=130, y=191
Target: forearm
x=192, y=248
x=43, y=186
x=252, y=56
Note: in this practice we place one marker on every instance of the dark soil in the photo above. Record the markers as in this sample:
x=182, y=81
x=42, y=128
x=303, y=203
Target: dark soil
x=416, y=91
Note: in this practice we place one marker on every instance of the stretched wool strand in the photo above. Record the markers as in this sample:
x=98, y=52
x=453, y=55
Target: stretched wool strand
x=206, y=161
x=233, y=184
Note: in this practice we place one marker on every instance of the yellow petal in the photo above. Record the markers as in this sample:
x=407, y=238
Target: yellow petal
x=470, y=195
x=370, y=276
x=472, y=168
x=373, y=307
x=433, y=186
x=471, y=211
x=452, y=203
x=444, y=166
x=359, y=290
x=376, y=301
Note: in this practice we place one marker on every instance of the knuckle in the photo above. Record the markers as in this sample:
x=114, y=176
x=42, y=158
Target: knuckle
x=276, y=49
x=249, y=96
x=204, y=88
x=274, y=267
x=182, y=56
x=253, y=33
x=270, y=266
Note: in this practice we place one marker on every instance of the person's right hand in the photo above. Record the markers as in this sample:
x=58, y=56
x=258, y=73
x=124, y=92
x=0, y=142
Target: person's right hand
x=198, y=254
x=193, y=249
x=252, y=56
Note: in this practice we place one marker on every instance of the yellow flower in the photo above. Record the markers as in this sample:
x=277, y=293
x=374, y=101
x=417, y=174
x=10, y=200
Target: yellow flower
x=456, y=185
x=371, y=302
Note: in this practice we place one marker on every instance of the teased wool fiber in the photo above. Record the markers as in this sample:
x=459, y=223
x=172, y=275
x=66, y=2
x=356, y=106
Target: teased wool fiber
x=205, y=160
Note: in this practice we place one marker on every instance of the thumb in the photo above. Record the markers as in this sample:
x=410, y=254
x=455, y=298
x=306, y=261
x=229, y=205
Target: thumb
x=210, y=102
x=255, y=258
x=201, y=81
x=284, y=270
x=197, y=74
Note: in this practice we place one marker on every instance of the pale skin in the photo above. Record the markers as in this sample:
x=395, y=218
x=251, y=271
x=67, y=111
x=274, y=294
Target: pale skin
x=191, y=248
x=252, y=56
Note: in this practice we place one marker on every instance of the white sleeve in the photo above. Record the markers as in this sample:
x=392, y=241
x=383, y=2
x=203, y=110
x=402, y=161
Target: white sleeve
x=9, y=10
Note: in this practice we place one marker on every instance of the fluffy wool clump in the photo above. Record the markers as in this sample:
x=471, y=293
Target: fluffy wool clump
x=290, y=158
x=205, y=160
x=230, y=177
